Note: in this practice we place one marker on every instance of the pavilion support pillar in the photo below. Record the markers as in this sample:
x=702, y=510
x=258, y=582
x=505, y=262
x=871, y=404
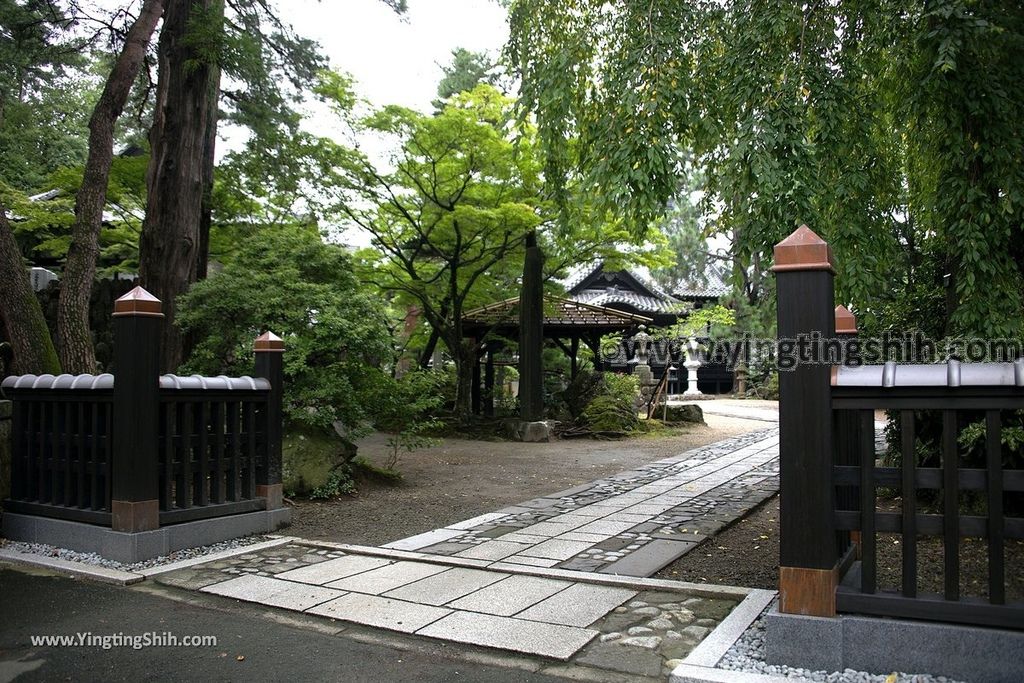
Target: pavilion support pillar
x=531, y=334
x=489, y=383
x=475, y=389
x=593, y=342
x=574, y=350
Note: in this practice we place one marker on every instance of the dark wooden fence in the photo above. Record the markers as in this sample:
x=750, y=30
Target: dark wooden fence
x=831, y=520
x=145, y=450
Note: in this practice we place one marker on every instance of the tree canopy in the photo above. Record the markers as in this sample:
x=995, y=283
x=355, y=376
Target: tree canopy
x=890, y=127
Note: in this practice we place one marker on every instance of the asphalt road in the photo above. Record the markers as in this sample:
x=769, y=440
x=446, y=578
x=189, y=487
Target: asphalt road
x=252, y=644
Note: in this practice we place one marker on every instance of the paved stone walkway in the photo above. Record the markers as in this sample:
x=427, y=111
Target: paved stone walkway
x=633, y=523
x=549, y=577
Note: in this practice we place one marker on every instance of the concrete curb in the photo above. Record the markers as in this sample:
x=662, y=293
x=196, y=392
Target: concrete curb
x=77, y=569
x=213, y=557
x=696, y=589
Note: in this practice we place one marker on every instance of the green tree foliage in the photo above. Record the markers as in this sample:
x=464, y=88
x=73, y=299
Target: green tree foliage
x=289, y=281
x=892, y=128
x=43, y=104
x=466, y=70
x=449, y=214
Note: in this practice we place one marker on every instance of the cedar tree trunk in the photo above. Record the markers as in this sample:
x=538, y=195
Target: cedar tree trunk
x=22, y=315
x=170, y=244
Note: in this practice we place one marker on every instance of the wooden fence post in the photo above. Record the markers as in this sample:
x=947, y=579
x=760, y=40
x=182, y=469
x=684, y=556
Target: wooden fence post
x=134, y=468
x=808, y=563
x=847, y=435
x=270, y=365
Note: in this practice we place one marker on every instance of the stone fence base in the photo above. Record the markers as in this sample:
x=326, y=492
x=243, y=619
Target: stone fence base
x=143, y=545
x=881, y=646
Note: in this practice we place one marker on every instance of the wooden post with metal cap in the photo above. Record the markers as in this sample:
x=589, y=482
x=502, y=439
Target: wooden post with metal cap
x=809, y=555
x=269, y=365
x=134, y=468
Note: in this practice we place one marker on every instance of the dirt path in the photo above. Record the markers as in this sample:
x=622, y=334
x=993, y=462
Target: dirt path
x=460, y=479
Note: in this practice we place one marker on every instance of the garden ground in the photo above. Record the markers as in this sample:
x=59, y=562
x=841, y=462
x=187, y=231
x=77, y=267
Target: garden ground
x=460, y=478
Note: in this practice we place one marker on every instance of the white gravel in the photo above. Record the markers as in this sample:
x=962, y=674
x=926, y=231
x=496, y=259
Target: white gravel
x=748, y=654
x=94, y=559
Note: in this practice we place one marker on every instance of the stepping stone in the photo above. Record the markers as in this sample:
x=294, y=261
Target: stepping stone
x=446, y=586
x=557, y=549
x=650, y=558
x=423, y=540
x=493, y=550
x=273, y=592
x=373, y=610
x=335, y=569
x=547, y=640
x=510, y=595
x=578, y=605
x=383, y=579
x=531, y=561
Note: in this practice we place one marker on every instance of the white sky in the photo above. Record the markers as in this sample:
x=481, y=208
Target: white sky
x=395, y=60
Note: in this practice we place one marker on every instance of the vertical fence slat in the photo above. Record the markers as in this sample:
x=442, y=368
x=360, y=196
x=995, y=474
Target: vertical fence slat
x=54, y=469
x=65, y=434
x=41, y=452
x=80, y=461
x=203, y=475
x=184, y=479
x=234, y=432
x=20, y=454
x=94, y=456
x=868, y=582
x=217, y=475
x=167, y=415
x=994, y=457
x=909, y=494
x=249, y=479
x=23, y=477
x=108, y=460
x=950, y=506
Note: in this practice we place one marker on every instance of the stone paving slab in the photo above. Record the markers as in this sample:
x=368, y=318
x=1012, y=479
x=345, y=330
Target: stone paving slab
x=274, y=592
x=510, y=596
x=389, y=577
x=578, y=605
x=548, y=640
x=332, y=570
x=446, y=586
x=373, y=610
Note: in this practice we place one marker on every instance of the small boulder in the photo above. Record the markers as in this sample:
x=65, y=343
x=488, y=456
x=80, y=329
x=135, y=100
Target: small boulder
x=684, y=413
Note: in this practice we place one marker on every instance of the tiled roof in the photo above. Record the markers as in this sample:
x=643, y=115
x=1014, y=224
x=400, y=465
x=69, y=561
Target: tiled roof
x=557, y=312
x=613, y=295
x=711, y=285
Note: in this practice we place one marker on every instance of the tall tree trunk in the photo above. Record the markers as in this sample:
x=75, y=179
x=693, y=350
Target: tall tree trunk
x=170, y=244
x=209, y=155
x=74, y=338
x=22, y=315
x=531, y=333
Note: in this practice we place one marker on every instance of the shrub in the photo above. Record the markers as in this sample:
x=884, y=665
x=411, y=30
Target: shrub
x=290, y=282
x=408, y=409
x=612, y=410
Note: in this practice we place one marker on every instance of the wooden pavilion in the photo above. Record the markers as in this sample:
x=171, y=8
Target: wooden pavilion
x=567, y=323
